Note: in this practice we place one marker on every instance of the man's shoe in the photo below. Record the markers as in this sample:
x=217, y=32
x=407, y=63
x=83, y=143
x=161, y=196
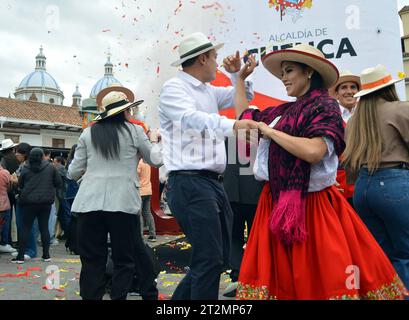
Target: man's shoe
x=18, y=261
x=152, y=238
x=26, y=256
x=231, y=290
x=46, y=259
x=7, y=249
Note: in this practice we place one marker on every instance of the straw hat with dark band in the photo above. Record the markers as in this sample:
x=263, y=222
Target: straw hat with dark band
x=114, y=100
x=193, y=46
x=305, y=54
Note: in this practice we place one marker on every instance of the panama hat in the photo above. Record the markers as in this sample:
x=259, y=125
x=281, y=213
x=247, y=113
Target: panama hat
x=345, y=76
x=376, y=78
x=193, y=46
x=306, y=54
x=7, y=144
x=114, y=100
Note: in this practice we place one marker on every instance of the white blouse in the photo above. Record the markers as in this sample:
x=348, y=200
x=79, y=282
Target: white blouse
x=323, y=174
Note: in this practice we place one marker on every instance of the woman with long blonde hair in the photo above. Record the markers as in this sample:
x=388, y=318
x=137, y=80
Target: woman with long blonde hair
x=377, y=139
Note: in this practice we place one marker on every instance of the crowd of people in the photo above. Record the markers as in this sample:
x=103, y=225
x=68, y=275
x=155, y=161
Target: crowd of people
x=305, y=200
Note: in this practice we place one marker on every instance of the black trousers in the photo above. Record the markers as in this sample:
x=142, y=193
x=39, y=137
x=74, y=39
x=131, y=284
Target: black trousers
x=242, y=213
x=29, y=213
x=127, y=249
x=202, y=210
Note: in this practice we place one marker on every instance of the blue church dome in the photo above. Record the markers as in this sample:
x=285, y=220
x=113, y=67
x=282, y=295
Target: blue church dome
x=103, y=83
x=39, y=79
x=40, y=85
x=107, y=81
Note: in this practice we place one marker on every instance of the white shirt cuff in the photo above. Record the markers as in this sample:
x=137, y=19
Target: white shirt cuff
x=227, y=126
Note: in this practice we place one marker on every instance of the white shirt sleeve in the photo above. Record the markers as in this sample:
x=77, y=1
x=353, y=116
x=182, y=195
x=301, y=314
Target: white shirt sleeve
x=178, y=105
x=225, y=95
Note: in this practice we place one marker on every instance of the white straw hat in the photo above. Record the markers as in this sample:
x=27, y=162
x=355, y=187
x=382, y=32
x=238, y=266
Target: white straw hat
x=374, y=79
x=306, y=54
x=7, y=144
x=193, y=46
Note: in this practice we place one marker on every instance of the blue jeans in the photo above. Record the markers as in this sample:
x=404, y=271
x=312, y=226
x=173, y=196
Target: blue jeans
x=64, y=215
x=31, y=247
x=382, y=202
x=5, y=232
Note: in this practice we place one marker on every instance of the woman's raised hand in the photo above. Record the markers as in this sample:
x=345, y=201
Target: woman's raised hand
x=248, y=67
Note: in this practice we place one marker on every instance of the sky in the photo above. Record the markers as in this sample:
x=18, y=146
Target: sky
x=141, y=36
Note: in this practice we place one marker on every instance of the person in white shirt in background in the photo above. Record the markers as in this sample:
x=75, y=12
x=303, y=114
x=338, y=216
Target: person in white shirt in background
x=344, y=90
x=194, y=152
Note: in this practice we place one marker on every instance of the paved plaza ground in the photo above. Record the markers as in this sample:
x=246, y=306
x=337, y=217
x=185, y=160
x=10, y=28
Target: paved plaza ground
x=28, y=281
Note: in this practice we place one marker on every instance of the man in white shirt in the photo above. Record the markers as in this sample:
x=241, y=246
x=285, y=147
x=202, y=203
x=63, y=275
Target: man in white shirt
x=193, y=136
x=344, y=90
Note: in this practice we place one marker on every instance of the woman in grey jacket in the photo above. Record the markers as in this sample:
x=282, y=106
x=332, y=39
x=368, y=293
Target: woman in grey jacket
x=108, y=199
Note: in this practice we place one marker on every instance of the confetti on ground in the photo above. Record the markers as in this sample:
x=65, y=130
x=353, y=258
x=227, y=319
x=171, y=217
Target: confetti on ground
x=63, y=286
x=46, y=288
x=106, y=30
x=20, y=274
x=164, y=296
x=2, y=289
x=72, y=261
x=169, y=283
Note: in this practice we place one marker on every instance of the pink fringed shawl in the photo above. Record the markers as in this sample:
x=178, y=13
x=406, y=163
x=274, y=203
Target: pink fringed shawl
x=314, y=115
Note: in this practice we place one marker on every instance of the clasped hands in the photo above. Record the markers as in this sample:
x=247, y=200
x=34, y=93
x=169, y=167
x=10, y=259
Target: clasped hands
x=246, y=127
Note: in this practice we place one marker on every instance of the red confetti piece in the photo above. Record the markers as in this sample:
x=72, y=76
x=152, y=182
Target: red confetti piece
x=157, y=70
x=45, y=288
x=126, y=65
x=21, y=274
x=106, y=30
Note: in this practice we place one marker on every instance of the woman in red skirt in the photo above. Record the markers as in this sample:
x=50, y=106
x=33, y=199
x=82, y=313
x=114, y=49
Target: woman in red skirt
x=306, y=241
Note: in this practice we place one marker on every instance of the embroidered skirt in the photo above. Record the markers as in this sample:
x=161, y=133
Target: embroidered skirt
x=339, y=260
